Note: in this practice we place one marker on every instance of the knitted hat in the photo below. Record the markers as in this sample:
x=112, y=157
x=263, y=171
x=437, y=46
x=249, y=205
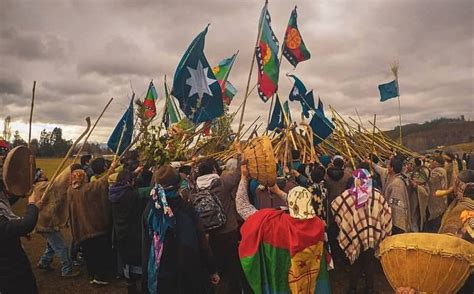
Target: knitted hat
x=167, y=177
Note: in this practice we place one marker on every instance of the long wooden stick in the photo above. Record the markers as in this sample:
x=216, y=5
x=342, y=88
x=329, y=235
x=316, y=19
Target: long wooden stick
x=31, y=112
x=259, y=35
x=92, y=130
x=63, y=162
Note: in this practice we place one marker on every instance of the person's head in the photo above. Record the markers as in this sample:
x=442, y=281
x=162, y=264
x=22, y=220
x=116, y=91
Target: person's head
x=75, y=166
x=78, y=178
x=207, y=166
x=338, y=162
x=131, y=160
x=98, y=166
x=300, y=203
x=363, y=165
x=317, y=173
x=85, y=159
x=295, y=154
x=125, y=178
x=437, y=161
x=464, y=184
x=396, y=165
x=375, y=159
x=40, y=175
x=167, y=177
x=418, y=162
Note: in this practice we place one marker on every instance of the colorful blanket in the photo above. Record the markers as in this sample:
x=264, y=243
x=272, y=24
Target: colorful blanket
x=281, y=254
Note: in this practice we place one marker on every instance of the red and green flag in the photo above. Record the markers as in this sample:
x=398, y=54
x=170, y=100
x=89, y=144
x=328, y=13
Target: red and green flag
x=267, y=57
x=294, y=48
x=149, y=101
x=281, y=254
x=221, y=72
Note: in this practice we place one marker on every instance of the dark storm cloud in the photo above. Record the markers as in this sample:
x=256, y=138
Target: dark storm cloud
x=83, y=52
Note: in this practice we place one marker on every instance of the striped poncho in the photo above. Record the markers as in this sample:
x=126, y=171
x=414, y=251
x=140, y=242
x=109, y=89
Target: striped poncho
x=281, y=254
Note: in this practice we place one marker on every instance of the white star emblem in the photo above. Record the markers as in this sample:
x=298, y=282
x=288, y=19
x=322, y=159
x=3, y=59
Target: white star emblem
x=296, y=92
x=199, y=81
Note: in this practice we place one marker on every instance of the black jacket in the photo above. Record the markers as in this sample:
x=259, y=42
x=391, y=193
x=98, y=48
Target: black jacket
x=16, y=276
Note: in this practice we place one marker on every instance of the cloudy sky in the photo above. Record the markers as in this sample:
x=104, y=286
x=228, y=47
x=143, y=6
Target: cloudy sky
x=82, y=52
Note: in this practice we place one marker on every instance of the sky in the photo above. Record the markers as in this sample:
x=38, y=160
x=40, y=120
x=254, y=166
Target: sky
x=82, y=52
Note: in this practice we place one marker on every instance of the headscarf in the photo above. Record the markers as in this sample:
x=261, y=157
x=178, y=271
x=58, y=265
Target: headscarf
x=464, y=184
x=6, y=209
x=361, y=189
x=122, y=185
x=78, y=178
x=299, y=203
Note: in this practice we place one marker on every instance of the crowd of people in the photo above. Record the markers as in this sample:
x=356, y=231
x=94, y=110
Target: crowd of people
x=210, y=227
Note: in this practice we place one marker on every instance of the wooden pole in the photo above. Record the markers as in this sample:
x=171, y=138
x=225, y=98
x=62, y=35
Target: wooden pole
x=259, y=34
x=400, y=119
x=92, y=130
x=31, y=113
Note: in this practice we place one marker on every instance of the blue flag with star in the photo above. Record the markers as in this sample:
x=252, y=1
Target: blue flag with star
x=388, y=90
x=299, y=93
x=195, y=86
x=322, y=127
x=277, y=120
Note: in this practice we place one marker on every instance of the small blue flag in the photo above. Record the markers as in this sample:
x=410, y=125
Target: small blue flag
x=125, y=122
x=321, y=126
x=277, y=120
x=195, y=86
x=286, y=107
x=320, y=108
x=299, y=93
x=388, y=91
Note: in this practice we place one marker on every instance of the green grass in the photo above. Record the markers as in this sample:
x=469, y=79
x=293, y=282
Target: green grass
x=49, y=165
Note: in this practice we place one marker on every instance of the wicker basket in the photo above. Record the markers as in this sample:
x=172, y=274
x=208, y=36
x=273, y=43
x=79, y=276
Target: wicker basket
x=429, y=263
x=261, y=160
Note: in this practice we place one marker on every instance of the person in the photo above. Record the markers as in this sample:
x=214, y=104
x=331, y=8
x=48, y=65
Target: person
x=282, y=252
x=176, y=254
x=223, y=240
x=85, y=164
x=16, y=275
x=395, y=191
x=99, y=168
x=319, y=191
x=363, y=216
x=459, y=162
x=51, y=219
x=418, y=192
x=127, y=209
x=436, y=205
x=90, y=217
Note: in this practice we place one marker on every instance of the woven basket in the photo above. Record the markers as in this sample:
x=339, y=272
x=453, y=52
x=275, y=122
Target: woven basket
x=261, y=161
x=429, y=263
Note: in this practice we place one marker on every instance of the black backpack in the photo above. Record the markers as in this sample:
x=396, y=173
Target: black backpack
x=209, y=209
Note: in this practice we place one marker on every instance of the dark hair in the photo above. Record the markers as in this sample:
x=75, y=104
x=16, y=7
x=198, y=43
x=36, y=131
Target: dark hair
x=397, y=164
x=98, y=165
x=375, y=159
x=364, y=165
x=338, y=162
x=418, y=162
x=76, y=166
x=85, y=159
x=207, y=166
x=295, y=154
x=185, y=169
x=318, y=173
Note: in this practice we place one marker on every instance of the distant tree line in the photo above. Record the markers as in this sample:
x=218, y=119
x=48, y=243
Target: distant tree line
x=52, y=144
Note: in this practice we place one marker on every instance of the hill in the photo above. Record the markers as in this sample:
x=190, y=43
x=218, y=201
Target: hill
x=438, y=132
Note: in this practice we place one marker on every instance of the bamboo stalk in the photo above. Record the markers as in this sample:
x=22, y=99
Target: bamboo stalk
x=31, y=112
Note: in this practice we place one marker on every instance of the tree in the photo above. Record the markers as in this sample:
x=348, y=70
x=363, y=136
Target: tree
x=18, y=140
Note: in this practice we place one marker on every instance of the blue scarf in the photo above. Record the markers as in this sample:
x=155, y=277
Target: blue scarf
x=160, y=219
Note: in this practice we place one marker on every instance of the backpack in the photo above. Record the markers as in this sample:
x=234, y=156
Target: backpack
x=209, y=209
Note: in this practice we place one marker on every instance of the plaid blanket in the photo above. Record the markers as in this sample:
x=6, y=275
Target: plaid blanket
x=361, y=228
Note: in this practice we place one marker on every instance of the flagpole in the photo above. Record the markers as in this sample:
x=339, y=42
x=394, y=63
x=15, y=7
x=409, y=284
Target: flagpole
x=394, y=68
x=259, y=35
x=31, y=112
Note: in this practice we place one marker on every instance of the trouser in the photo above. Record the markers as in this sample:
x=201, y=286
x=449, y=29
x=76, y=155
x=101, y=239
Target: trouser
x=366, y=263
x=98, y=256
x=432, y=226
x=225, y=249
x=56, y=246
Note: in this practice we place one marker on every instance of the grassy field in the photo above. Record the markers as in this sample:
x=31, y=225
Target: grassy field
x=49, y=165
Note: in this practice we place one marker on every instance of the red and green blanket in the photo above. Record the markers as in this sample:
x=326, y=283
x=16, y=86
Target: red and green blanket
x=281, y=254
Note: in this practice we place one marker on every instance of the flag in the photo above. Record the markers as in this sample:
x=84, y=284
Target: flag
x=171, y=115
x=286, y=107
x=320, y=108
x=388, y=90
x=294, y=48
x=195, y=86
x=299, y=93
x=281, y=254
x=267, y=57
x=124, y=130
x=221, y=72
x=149, y=101
x=277, y=121
x=321, y=126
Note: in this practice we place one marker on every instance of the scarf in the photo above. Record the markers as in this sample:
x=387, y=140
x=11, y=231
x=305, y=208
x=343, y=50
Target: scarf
x=361, y=189
x=299, y=203
x=6, y=209
x=160, y=219
x=78, y=178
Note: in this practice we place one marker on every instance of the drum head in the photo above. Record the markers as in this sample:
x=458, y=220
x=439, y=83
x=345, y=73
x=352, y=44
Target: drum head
x=18, y=171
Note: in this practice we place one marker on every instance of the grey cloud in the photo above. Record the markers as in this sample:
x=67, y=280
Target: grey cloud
x=10, y=85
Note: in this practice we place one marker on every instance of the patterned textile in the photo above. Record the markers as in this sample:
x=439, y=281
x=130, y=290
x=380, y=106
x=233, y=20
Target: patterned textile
x=361, y=228
x=299, y=203
x=362, y=187
x=320, y=201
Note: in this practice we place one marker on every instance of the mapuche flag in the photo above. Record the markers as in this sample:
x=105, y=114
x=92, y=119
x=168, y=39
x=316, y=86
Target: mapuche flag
x=267, y=59
x=221, y=72
x=195, y=86
x=281, y=254
x=122, y=135
x=388, y=90
x=149, y=101
x=299, y=93
x=294, y=48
